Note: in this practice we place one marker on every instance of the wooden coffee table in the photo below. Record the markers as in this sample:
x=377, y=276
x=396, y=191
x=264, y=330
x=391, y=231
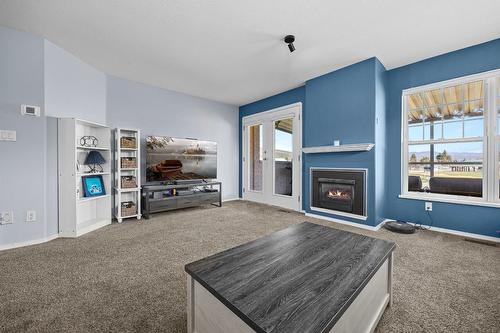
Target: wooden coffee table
x=306, y=278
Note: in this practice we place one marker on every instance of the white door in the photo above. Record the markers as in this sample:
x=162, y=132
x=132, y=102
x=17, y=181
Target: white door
x=272, y=143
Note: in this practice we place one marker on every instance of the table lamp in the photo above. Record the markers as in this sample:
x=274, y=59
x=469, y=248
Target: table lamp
x=94, y=160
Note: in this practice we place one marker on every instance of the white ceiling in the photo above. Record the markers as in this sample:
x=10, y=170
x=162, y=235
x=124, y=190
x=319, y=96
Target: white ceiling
x=231, y=50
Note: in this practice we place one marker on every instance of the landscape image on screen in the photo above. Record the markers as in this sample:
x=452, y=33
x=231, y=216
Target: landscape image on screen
x=171, y=159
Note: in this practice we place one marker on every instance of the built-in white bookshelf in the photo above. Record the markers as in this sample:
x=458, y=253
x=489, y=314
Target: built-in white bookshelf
x=79, y=214
x=127, y=195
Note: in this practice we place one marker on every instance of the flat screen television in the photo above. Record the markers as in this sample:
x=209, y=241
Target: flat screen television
x=171, y=159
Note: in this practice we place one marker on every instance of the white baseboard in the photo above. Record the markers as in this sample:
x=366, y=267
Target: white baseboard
x=27, y=243
x=462, y=233
x=436, y=229
x=231, y=199
x=351, y=224
x=91, y=228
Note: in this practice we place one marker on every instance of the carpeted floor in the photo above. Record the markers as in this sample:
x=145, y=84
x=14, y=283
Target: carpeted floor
x=129, y=277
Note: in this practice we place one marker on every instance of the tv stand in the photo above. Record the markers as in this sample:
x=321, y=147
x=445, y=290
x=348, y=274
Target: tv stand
x=158, y=198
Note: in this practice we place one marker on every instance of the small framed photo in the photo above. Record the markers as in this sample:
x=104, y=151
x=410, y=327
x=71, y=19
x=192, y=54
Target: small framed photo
x=93, y=186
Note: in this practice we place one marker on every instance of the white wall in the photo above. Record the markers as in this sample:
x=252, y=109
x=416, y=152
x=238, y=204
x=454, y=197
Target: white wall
x=72, y=88
x=157, y=111
x=35, y=71
x=22, y=163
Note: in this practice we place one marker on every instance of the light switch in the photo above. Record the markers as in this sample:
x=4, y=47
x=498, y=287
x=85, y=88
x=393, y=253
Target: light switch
x=6, y=135
x=31, y=216
x=6, y=217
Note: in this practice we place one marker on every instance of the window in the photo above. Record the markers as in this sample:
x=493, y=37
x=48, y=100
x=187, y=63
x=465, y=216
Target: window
x=447, y=151
x=497, y=139
x=283, y=156
x=255, y=157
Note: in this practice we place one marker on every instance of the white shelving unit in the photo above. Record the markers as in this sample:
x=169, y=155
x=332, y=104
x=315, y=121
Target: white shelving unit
x=78, y=214
x=127, y=194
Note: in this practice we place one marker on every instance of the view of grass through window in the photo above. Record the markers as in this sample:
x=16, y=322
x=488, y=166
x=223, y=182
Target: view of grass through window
x=445, y=139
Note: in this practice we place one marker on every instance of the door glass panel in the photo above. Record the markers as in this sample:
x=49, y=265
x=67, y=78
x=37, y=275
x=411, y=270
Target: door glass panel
x=255, y=157
x=498, y=105
x=283, y=156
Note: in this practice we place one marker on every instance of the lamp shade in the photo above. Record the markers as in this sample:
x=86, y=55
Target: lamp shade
x=94, y=157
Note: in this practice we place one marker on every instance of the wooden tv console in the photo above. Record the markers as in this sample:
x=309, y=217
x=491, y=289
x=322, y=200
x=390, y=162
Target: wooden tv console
x=155, y=201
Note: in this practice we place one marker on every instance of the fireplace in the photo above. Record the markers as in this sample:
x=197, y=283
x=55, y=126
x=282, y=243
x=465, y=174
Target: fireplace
x=339, y=191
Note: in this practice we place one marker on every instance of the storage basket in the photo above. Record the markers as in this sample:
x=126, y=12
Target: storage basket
x=129, y=182
x=128, y=162
x=128, y=142
x=129, y=208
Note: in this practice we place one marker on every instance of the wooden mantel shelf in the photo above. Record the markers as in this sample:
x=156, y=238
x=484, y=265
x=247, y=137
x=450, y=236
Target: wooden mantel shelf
x=339, y=149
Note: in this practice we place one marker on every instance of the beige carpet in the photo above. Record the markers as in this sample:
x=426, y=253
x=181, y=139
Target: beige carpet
x=129, y=277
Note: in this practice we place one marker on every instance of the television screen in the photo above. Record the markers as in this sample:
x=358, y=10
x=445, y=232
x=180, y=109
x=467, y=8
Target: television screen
x=170, y=159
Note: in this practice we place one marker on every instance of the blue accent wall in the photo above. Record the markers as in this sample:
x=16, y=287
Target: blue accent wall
x=362, y=103
x=341, y=105
x=471, y=60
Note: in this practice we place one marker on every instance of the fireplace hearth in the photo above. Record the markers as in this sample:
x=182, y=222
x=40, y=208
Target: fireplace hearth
x=338, y=191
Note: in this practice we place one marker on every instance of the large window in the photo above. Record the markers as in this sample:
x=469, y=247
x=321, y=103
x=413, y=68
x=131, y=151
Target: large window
x=448, y=152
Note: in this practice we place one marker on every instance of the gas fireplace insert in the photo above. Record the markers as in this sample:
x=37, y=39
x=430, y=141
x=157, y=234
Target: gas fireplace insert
x=339, y=191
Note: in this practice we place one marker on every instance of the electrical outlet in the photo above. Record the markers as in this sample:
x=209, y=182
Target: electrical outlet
x=30, y=216
x=6, y=135
x=6, y=217
x=428, y=206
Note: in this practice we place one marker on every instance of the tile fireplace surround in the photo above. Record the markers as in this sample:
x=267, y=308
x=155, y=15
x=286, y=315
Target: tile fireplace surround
x=339, y=191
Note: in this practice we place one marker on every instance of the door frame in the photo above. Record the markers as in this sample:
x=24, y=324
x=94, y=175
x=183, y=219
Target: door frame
x=249, y=120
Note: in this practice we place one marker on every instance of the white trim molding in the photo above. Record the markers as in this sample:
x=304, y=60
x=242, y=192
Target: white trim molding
x=28, y=243
x=267, y=195
x=339, y=149
x=351, y=224
x=231, y=199
x=452, y=199
x=490, y=142
x=435, y=229
x=461, y=233
x=337, y=212
x=281, y=108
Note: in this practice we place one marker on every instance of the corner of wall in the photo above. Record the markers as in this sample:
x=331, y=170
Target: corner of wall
x=380, y=139
x=24, y=165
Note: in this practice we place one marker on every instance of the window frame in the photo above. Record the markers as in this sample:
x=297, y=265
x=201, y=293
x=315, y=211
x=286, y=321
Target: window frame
x=490, y=140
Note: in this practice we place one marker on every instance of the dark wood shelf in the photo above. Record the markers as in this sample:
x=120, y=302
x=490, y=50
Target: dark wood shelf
x=166, y=203
x=300, y=279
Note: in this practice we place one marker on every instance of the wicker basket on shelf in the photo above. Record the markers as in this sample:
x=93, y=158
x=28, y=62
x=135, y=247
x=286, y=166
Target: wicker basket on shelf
x=129, y=182
x=129, y=208
x=128, y=162
x=128, y=142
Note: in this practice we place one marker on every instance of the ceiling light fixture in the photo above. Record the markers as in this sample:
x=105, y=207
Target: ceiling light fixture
x=289, y=39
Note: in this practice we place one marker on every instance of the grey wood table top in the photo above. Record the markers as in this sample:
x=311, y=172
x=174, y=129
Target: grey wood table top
x=300, y=279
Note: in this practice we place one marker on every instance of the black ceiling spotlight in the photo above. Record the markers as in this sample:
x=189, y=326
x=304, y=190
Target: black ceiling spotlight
x=289, y=39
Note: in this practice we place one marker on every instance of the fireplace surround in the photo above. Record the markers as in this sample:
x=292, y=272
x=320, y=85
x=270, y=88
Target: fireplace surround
x=339, y=191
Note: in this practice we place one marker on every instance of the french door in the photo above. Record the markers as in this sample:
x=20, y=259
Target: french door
x=272, y=143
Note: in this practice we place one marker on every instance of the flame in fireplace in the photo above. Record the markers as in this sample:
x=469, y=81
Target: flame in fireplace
x=337, y=194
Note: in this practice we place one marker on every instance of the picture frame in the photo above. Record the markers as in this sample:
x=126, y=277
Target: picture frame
x=93, y=186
